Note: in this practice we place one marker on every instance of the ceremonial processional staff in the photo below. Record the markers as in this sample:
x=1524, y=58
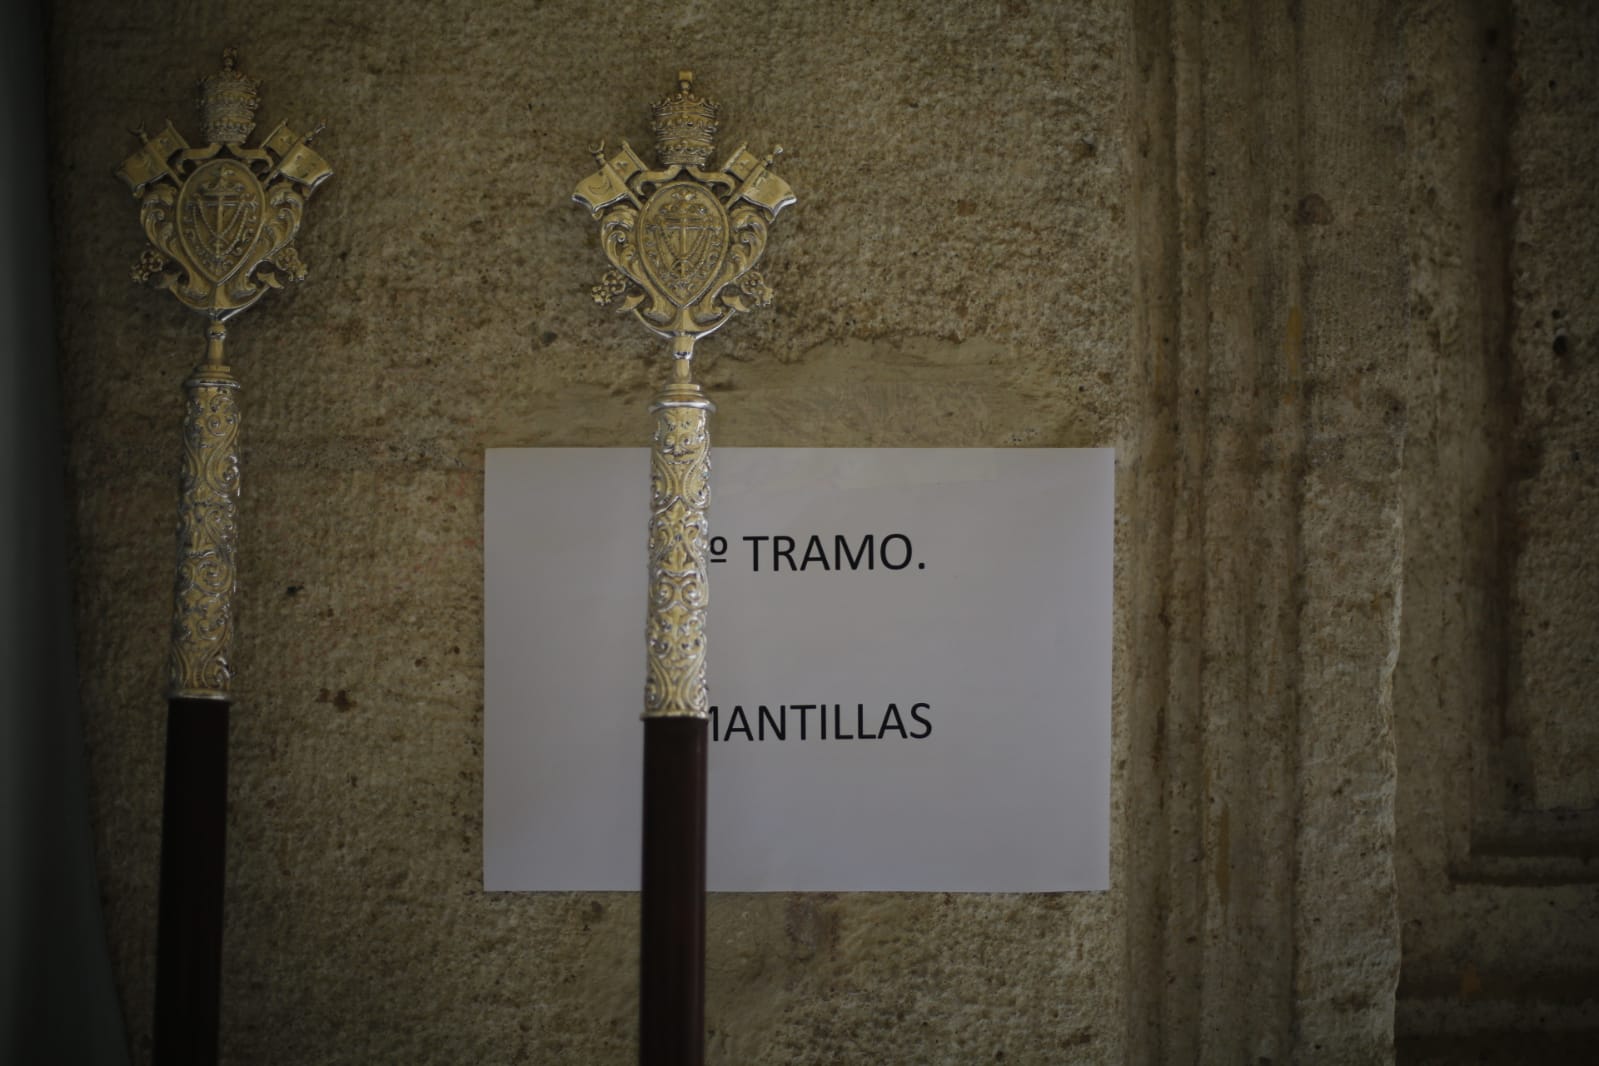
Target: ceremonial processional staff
x=221, y=220
x=683, y=241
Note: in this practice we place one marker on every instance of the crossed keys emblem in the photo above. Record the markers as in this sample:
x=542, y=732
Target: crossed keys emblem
x=683, y=240
x=221, y=219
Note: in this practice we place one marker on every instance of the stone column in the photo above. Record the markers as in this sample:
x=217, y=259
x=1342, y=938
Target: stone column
x=1269, y=303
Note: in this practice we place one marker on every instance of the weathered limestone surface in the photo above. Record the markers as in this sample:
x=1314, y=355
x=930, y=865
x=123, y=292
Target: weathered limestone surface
x=1299, y=263
x=1496, y=795
x=1270, y=269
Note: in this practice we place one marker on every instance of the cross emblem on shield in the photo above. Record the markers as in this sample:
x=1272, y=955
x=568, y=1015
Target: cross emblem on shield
x=684, y=239
x=220, y=209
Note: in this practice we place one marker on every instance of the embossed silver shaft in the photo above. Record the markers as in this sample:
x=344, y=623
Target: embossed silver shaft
x=680, y=495
x=208, y=507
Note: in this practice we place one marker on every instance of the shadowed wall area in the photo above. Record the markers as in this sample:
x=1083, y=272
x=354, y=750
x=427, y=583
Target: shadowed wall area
x=1324, y=274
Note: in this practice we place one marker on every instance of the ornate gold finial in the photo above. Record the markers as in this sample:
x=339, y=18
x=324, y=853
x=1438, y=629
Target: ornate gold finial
x=221, y=220
x=228, y=100
x=684, y=239
x=683, y=242
x=685, y=125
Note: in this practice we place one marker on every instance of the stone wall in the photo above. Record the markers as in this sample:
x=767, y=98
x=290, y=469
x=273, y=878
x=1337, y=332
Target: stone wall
x=1496, y=790
x=1287, y=259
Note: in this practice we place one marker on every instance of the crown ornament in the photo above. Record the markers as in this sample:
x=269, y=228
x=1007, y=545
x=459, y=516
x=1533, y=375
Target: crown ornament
x=685, y=125
x=228, y=100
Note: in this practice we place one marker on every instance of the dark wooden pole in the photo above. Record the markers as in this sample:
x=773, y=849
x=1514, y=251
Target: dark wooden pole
x=672, y=907
x=672, y=904
x=194, y=818
x=193, y=852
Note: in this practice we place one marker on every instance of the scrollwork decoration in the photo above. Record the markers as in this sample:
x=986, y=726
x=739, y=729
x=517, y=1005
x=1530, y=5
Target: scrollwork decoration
x=680, y=473
x=207, y=575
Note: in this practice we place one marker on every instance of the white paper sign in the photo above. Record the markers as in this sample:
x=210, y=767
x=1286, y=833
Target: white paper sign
x=909, y=656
